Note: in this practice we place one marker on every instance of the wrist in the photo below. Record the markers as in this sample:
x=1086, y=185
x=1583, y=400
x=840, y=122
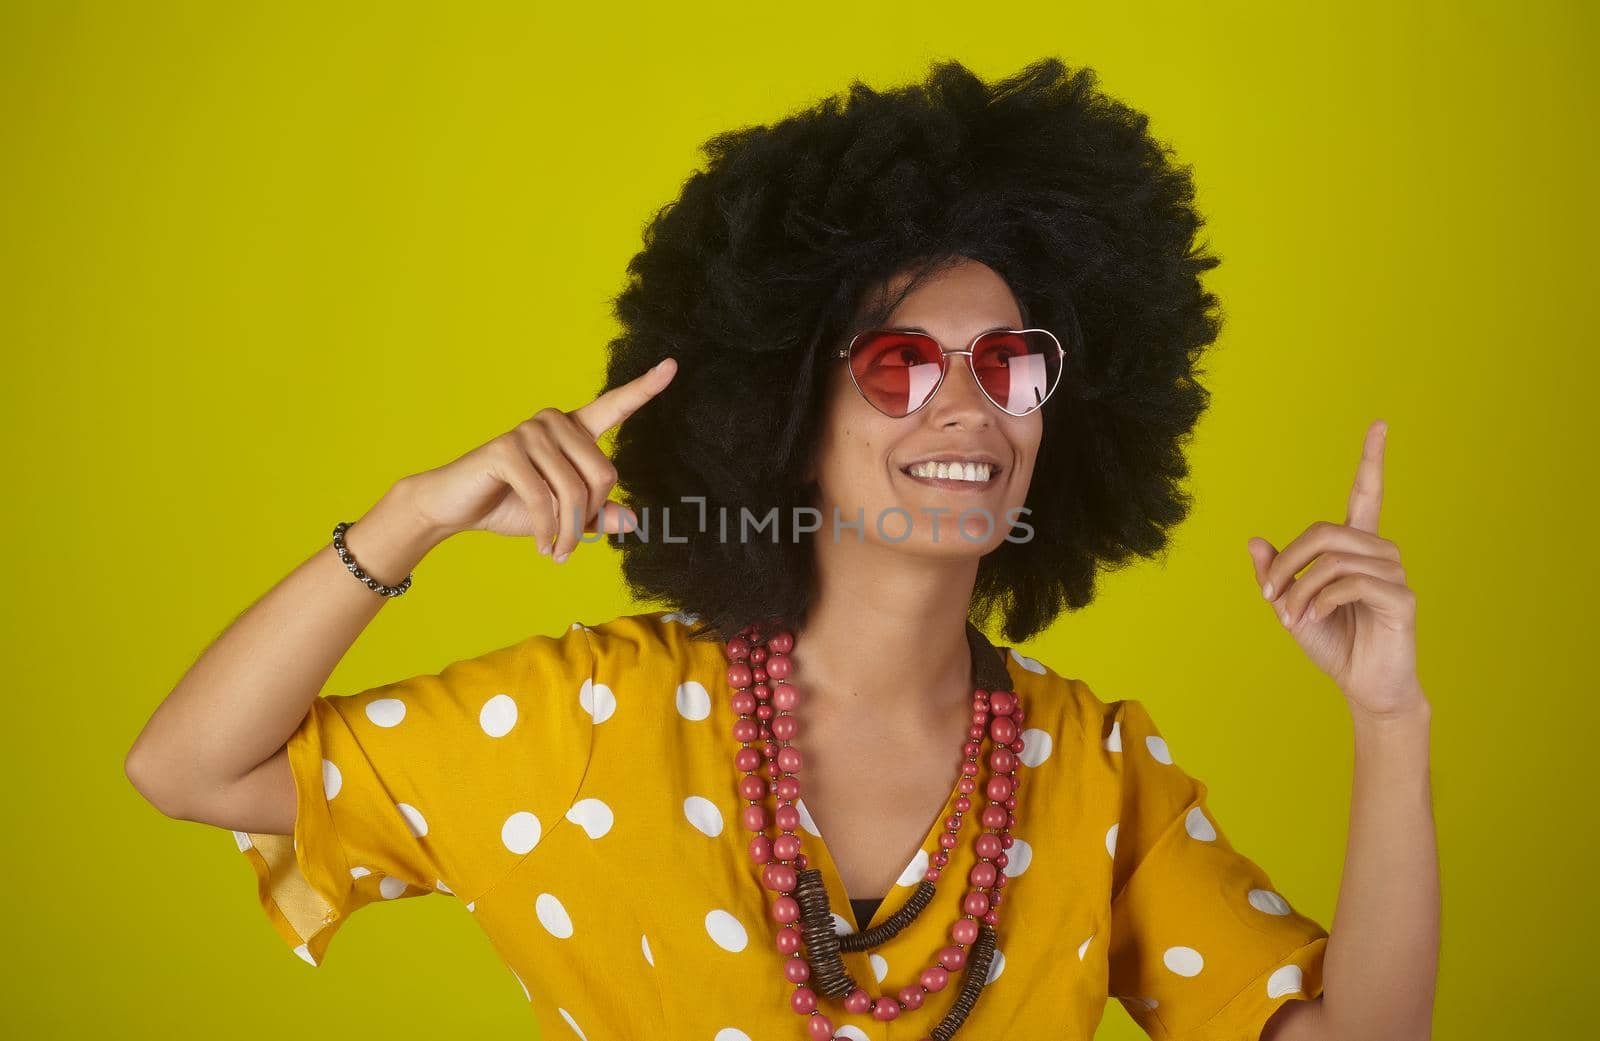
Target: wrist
x=400, y=502
x=391, y=538
x=1417, y=714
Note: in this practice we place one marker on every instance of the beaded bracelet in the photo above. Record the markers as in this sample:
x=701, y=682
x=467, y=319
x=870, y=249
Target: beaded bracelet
x=355, y=569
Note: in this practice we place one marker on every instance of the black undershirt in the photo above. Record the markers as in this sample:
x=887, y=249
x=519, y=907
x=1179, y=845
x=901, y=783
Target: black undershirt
x=864, y=909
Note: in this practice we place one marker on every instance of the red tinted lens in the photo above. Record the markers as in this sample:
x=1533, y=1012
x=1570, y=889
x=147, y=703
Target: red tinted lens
x=896, y=371
x=1018, y=370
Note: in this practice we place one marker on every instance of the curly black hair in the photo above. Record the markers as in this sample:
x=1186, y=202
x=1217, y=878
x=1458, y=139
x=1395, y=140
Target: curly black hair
x=778, y=251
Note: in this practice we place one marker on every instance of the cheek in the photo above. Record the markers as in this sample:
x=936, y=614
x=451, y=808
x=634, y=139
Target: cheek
x=854, y=465
x=858, y=460
x=1026, y=443
x=1033, y=433
x=856, y=440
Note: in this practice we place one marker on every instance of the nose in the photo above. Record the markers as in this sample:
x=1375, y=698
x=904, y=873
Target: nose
x=960, y=402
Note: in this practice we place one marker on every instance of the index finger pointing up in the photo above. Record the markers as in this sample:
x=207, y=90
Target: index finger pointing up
x=618, y=403
x=1366, y=496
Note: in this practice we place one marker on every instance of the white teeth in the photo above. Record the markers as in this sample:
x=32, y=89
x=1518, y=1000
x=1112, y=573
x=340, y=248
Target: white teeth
x=975, y=472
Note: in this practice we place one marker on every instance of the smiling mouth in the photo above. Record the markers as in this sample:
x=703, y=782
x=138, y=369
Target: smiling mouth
x=954, y=476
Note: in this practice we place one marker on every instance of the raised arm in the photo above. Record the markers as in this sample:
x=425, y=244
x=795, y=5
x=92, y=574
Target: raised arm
x=214, y=750
x=1341, y=591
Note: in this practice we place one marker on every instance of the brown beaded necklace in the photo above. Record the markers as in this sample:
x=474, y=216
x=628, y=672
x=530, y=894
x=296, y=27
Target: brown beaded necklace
x=759, y=667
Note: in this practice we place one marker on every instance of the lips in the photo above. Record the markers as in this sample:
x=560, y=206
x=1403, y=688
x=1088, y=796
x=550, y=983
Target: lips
x=979, y=472
x=954, y=474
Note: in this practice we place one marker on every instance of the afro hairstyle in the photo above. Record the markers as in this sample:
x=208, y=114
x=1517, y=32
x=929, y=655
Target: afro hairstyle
x=777, y=252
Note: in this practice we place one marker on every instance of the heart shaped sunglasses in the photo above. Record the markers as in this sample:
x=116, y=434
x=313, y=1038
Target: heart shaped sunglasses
x=898, y=371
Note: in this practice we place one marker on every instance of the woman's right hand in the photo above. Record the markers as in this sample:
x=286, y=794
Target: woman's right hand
x=541, y=477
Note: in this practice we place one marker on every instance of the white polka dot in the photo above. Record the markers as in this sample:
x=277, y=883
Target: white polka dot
x=305, y=954
x=731, y=1034
x=1036, y=746
x=391, y=887
x=1185, y=961
x=681, y=617
x=842, y=925
x=1198, y=827
x=592, y=815
x=880, y=967
x=498, y=715
x=644, y=945
x=1027, y=662
x=572, y=1023
x=576, y=625
x=520, y=832
x=914, y=870
x=439, y=885
x=472, y=905
x=523, y=985
x=552, y=915
x=332, y=779
x=703, y=814
x=386, y=712
x=805, y=818
x=851, y=1031
x=242, y=840
x=414, y=818
x=1158, y=749
x=597, y=700
x=1284, y=981
x=1268, y=902
x=360, y=872
x=1083, y=948
x=1114, y=742
x=1018, y=857
x=997, y=965
x=726, y=931
x=693, y=701
x=1111, y=840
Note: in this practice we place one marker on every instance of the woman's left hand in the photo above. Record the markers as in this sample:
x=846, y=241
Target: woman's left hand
x=1351, y=611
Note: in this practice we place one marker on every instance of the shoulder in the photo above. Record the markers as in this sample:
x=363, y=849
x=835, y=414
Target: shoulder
x=641, y=666
x=1069, y=708
x=625, y=648
x=652, y=640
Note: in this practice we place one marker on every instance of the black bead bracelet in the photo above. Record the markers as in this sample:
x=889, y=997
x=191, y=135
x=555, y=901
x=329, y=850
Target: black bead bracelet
x=355, y=569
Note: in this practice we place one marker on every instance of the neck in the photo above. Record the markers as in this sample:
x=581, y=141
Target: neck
x=886, y=637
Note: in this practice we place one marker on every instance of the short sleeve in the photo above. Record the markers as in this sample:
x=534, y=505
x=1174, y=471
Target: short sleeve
x=1202, y=946
x=439, y=783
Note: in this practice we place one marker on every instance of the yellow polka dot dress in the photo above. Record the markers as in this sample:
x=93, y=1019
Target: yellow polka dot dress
x=577, y=795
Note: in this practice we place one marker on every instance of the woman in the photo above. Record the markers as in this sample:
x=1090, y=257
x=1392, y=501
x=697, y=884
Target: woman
x=929, y=358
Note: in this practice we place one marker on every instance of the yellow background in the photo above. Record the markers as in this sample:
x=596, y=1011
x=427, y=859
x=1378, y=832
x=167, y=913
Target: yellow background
x=258, y=261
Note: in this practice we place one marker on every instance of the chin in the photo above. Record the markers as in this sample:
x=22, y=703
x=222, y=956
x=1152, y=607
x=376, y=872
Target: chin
x=949, y=545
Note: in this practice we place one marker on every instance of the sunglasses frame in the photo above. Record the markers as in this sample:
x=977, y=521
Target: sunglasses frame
x=944, y=367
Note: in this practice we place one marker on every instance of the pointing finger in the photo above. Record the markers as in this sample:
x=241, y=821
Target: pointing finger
x=1366, y=495
x=618, y=403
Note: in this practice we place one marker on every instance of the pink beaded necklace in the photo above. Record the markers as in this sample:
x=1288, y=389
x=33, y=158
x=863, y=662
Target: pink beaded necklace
x=757, y=671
